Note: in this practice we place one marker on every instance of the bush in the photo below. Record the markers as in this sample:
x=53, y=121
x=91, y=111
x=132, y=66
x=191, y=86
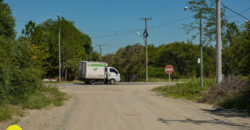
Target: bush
x=19, y=72
x=226, y=89
x=229, y=94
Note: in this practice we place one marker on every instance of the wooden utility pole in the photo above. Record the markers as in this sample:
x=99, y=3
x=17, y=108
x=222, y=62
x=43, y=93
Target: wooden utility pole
x=100, y=47
x=59, y=48
x=145, y=35
x=201, y=50
x=218, y=43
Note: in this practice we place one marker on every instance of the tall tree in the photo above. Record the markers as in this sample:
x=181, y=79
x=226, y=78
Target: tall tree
x=75, y=45
x=240, y=52
x=205, y=10
x=7, y=21
x=28, y=30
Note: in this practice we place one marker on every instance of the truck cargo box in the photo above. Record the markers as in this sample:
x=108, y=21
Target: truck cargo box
x=92, y=70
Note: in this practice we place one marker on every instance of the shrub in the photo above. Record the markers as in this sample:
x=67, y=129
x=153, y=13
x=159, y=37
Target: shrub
x=234, y=93
x=226, y=89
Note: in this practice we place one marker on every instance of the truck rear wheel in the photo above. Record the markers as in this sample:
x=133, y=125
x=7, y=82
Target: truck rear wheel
x=112, y=81
x=92, y=82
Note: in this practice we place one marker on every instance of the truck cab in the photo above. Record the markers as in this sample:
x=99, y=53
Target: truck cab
x=113, y=75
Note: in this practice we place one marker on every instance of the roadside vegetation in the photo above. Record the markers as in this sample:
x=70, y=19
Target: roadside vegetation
x=190, y=90
x=26, y=60
x=234, y=93
x=47, y=96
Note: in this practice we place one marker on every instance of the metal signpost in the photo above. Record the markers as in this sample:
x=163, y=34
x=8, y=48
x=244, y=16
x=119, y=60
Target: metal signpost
x=169, y=69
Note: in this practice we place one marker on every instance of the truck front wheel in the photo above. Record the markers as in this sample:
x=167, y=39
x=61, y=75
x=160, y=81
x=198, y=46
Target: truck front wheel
x=112, y=81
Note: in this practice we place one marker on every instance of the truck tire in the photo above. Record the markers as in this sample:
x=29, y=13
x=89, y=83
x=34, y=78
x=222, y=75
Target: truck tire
x=112, y=81
x=87, y=82
x=92, y=82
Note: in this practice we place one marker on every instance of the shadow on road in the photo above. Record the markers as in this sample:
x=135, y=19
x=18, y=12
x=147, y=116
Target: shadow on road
x=97, y=83
x=227, y=112
x=213, y=122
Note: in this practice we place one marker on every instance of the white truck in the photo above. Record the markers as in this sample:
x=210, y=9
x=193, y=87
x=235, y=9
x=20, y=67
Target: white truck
x=91, y=72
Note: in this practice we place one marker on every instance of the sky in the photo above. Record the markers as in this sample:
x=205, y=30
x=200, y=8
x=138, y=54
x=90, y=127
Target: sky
x=114, y=23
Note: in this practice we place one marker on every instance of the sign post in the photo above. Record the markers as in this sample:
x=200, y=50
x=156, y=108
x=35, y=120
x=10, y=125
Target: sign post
x=168, y=77
x=169, y=69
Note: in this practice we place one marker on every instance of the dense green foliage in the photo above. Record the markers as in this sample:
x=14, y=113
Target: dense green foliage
x=130, y=61
x=75, y=46
x=239, y=52
x=20, y=73
x=206, y=11
x=23, y=62
x=7, y=21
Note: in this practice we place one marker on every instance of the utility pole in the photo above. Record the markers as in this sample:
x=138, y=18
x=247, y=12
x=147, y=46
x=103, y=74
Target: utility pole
x=201, y=50
x=100, y=47
x=201, y=46
x=145, y=35
x=59, y=48
x=218, y=43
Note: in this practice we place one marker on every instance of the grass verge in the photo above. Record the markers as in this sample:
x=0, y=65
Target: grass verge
x=7, y=111
x=47, y=95
x=166, y=80
x=190, y=90
x=228, y=94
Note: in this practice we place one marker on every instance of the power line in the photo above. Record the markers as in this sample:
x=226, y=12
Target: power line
x=234, y=11
x=118, y=34
x=152, y=27
x=244, y=11
x=171, y=22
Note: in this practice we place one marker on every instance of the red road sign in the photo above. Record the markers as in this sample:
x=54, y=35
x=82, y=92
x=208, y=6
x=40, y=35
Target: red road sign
x=169, y=69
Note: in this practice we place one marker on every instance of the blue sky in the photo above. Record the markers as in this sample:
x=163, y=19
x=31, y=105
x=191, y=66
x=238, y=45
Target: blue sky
x=115, y=22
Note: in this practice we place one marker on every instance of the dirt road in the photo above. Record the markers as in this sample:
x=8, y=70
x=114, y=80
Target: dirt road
x=129, y=107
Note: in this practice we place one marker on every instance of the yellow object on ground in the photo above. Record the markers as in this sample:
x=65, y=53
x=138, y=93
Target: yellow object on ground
x=14, y=127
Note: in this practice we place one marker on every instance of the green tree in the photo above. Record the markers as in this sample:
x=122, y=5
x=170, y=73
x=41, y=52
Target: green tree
x=28, y=30
x=205, y=10
x=231, y=32
x=240, y=52
x=7, y=21
x=130, y=61
x=75, y=45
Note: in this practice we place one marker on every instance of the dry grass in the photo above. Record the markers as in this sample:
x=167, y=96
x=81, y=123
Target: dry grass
x=229, y=94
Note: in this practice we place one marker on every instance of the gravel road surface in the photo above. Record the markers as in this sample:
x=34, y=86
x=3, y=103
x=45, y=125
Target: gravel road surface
x=129, y=106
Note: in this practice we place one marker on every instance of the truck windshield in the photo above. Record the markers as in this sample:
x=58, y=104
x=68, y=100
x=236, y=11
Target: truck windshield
x=113, y=70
